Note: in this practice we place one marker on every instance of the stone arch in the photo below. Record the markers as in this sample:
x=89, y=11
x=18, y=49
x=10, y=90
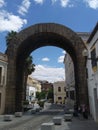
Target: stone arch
x=32, y=38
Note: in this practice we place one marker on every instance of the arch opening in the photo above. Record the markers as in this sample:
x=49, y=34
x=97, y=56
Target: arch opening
x=37, y=36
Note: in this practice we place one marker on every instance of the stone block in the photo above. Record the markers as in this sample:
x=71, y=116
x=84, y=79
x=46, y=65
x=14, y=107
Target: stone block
x=18, y=114
x=68, y=117
x=47, y=126
x=71, y=111
x=33, y=111
x=57, y=120
x=8, y=117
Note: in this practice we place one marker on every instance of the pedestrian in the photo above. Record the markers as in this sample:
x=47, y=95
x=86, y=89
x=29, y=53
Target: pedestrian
x=75, y=110
x=79, y=110
x=64, y=109
x=85, y=112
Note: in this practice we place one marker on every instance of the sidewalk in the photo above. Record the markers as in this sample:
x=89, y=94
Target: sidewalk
x=77, y=124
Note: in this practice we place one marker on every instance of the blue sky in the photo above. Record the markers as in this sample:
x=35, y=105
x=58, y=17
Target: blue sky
x=79, y=15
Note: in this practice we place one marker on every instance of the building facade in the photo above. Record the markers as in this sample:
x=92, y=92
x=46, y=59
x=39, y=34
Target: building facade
x=59, y=90
x=45, y=86
x=3, y=78
x=69, y=70
x=92, y=69
x=33, y=86
x=70, y=81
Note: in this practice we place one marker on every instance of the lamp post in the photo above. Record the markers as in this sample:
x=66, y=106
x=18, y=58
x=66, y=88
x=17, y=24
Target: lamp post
x=85, y=54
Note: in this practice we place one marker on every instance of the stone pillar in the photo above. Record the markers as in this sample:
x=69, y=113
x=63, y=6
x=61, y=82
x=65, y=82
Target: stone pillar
x=82, y=90
x=10, y=88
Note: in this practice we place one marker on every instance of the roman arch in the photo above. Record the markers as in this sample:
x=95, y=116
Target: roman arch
x=32, y=38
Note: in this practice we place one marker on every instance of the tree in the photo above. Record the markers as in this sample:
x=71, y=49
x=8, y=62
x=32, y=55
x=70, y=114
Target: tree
x=29, y=66
x=40, y=95
x=10, y=36
x=50, y=94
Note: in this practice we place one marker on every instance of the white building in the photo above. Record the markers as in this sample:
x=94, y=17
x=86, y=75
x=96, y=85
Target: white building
x=33, y=86
x=3, y=76
x=92, y=67
x=31, y=93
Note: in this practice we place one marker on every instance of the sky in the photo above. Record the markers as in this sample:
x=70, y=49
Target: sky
x=16, y=15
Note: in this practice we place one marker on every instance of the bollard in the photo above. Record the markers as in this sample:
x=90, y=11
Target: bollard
x=57, y=120
x=8, y=117
x=68, y=117
x=18, y=114
x=47, y=126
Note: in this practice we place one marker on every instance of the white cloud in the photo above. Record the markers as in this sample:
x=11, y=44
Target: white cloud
x=61, y=59
x=70, y=3
x=64, y=52
x=9, y=22
x=64, y=3
x=92, y=3
x=48, y=73
x=45, y=59
x=39, y=1
x=54, y=1
x=2, y=3
x=23, y=8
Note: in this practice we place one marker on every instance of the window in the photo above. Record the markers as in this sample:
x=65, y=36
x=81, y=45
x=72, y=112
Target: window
x=0, y=74
x=0, y=100
x=59, y=98
x=72, y=95
x=65, y=89
x=93, y=56
x=59, y=89
x=66, y=93
x=86, y=73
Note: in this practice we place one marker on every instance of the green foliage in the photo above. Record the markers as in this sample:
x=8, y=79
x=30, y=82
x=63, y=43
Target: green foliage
x=29, y=66
x=41, y=103
x=50, y=94
x=10, y=36
x=40, y=95
x=26, y=102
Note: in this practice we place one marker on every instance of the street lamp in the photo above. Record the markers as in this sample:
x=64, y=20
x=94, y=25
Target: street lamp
x=85, y=54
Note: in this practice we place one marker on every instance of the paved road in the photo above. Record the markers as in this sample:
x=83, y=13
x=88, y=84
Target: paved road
x=33, y=122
